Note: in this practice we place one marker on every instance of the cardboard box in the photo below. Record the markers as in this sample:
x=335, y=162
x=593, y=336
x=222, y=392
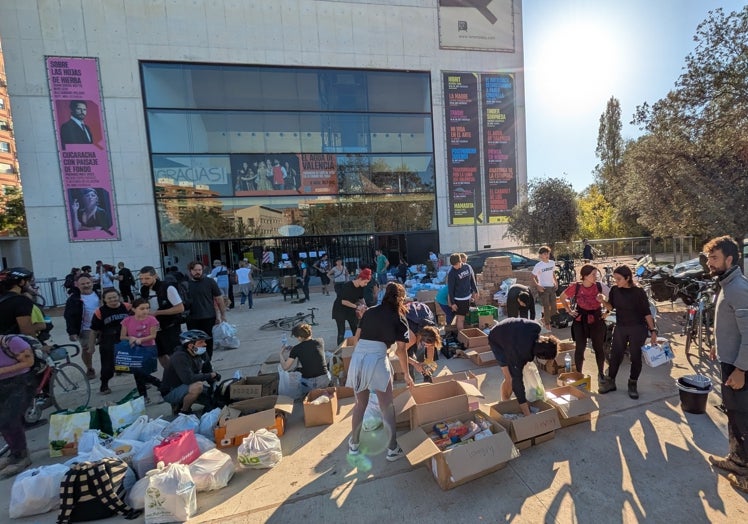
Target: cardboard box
x=481, y=359
x=561, y=357
x=344, y=392
x=463, y=463
x=566, y=345
x=576, y=379
x=345, y=349
x=320, y=414
x=462, y=376
x=254, y=387
x=486, y=321
x=239, y=418
x=523, y=428
x=427, y=402
x=472, y=337
x=571, y=402
x=426, y=295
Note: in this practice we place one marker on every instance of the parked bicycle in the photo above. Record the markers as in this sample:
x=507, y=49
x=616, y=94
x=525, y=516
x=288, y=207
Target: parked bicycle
x=63, y=384
x=288, y=323
x=699, y=324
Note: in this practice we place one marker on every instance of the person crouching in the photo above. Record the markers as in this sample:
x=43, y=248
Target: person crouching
x=185, y=377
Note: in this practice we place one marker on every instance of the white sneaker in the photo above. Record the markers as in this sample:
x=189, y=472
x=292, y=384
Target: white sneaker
x=352, y=448
x=394, y=454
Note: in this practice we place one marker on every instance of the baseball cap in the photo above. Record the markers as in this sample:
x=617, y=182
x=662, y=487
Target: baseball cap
x=365, y=274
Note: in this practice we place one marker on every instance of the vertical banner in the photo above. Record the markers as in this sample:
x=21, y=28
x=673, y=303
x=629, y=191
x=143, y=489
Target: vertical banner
x=75, y=93
x=499, y=133
x=463, y=147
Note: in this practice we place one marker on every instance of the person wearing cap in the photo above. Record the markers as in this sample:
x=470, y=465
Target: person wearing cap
x=520, y=302
x=515, y=342
x=346, y=307
x=184, y=380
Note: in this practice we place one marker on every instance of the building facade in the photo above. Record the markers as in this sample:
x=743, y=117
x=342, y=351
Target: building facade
x=159, y=132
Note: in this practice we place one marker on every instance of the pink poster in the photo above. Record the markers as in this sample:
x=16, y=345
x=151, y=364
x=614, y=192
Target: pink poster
x=82, y=147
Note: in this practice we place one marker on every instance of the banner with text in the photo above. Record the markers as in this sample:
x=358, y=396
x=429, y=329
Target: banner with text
x=499, y=159
x=75, y=93
x=463, y=147
x=484, y=25
x=284, y=174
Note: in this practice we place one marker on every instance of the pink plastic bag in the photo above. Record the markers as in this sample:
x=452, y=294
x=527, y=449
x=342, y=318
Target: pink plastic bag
x=178, y=448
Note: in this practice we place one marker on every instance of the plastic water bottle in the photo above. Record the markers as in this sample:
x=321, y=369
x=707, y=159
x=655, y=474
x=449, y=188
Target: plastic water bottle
x=567, y=362
x=284, y=340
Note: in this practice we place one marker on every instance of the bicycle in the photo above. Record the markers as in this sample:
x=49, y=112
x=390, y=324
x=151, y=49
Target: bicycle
x=66, y=383
x=288, y=323
x=699, y=325
x=262, y=286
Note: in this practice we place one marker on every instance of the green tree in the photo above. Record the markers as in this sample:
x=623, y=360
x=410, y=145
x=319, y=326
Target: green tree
x=597, y=217
x=686, y=175
x=548, y=215
x=13, y=213
x=609, y=149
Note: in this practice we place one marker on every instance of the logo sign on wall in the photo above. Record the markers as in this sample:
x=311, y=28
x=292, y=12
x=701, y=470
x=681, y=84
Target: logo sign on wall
x=483, y=25
x=481, y=157
x=75, y=93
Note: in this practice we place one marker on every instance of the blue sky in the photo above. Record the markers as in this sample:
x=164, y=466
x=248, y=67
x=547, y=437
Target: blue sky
x=579, y=53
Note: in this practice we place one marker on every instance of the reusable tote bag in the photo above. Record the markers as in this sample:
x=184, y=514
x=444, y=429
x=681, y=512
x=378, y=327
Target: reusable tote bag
x=128, y=358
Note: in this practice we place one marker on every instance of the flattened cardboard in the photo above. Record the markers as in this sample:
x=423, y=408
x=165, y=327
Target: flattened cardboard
x=582, y=404
x=463, y=463
x=320, y=414
x=472, y=337
x=427, y=402
x=526, y=427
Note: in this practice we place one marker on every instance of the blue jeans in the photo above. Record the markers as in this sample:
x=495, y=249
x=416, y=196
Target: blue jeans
x=308, y=384
x=382, y=278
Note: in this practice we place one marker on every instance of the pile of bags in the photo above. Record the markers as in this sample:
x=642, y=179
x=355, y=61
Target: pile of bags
x=151, y=466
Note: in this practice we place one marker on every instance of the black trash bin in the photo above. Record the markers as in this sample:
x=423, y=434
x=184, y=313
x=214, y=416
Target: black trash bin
x=694, y=393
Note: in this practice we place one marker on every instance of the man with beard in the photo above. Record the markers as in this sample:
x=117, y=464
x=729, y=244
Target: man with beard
x=208, y=307
x=167, y=307
x=731, y=337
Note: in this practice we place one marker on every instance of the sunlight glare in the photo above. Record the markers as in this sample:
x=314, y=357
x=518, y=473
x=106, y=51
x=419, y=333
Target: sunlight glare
x=579, y=63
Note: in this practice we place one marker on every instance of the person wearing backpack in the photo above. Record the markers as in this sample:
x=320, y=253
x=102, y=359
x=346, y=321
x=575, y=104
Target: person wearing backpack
x=581, y=300
x=167, y=306
x=15, y=307
x=16, y=391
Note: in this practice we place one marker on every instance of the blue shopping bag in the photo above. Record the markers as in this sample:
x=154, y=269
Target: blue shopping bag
x=128, y=358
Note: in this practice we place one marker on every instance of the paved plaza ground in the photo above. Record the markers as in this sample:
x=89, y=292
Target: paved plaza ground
x=638, y=460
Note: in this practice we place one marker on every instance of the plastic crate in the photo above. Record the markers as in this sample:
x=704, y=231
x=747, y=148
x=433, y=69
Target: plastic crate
x=474, y=313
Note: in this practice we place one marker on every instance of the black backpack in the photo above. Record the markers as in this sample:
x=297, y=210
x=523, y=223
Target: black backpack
x=162, y=296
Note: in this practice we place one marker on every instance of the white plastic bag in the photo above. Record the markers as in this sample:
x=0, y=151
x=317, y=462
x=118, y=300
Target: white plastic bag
x=143, y=460
x=208, y=422
x=372, y=415
x=225, y=337
x=534, y=389
x=181, y=423
x=171, y=495
x=133, y=431
x=36, y=491
x=153, y=429
x=125, y=449
x=97, y=452
x=135, y=498
x=88, y=440
x=260, y=449
x=212, y=470
x=289, y=383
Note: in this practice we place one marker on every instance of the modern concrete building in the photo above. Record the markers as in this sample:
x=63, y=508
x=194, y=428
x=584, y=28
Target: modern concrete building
x=145, y=129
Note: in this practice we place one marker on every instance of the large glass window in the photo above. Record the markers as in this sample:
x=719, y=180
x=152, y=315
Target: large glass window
x=239, y=151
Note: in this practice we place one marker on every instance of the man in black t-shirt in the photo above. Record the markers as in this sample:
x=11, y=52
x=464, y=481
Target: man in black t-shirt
x=126, y=282
x=208, y=307
x=15, y=308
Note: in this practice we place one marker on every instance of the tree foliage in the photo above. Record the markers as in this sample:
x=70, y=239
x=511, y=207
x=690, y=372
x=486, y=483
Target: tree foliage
x=597, y=217
x=609, y=149
x=686, y=175
x=548, y=215
x=13, y=213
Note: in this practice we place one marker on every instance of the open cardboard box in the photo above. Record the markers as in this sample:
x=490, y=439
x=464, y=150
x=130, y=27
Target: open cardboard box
x=472, y=337
x=463, y=463
x=427, y=402
x=346, y=352
x=255, y=387
x=573, y=404
x=485, y=358
x=525, y=427
x=462, y=376
x=320, y=414
x=239, y=418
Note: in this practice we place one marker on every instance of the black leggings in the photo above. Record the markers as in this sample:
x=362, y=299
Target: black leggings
x=340, y=322
x=633, y=338
x=581, y=331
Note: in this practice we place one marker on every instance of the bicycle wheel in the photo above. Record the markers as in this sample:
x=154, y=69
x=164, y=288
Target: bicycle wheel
x=708, y=328
x=271, y=324
x=689, y=335
x=70, y=387
x=288, y=324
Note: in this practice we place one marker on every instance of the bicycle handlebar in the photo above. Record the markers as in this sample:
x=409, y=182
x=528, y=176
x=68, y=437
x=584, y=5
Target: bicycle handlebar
x=75, y=346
